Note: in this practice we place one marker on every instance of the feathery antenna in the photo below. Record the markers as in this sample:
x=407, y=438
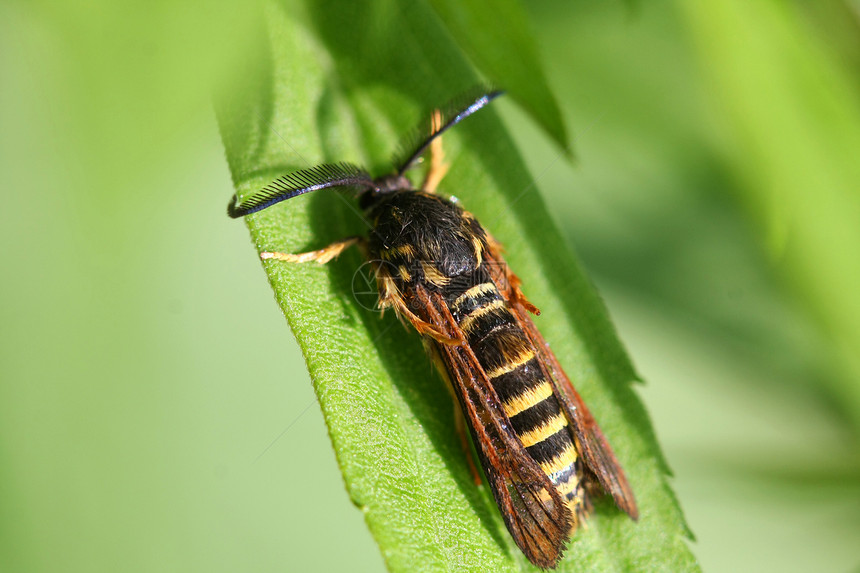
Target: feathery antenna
x=301, y=182
x=453, y=113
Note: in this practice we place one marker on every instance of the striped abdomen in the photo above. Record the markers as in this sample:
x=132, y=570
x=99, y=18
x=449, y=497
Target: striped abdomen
x=508, y=358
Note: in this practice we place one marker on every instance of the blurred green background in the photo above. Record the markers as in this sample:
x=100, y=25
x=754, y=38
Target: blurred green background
x=155, y=413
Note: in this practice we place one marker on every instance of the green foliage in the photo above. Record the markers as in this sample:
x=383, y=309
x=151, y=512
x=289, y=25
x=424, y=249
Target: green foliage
x=774, y=73
x=506, y=52
x=343, y=82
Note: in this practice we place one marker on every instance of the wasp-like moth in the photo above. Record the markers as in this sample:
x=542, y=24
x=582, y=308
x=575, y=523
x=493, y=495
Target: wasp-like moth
x=541, y=451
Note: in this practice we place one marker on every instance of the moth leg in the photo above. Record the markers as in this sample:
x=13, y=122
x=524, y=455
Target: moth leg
x=438, y=167
x=390, y=297
x=506, y=278
x=460, y=425
x=516, y=294
x=320, y=256
x=459, y=417
x=423, y=327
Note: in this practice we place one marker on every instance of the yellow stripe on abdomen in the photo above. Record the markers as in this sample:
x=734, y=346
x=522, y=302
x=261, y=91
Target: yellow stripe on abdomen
x=469, y=321
x=560, y=461
x=474, y=292
x=524, y=356
x=544, y=431
x=527, y=399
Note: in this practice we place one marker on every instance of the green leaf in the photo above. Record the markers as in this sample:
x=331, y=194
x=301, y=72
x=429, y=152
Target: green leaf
x=506, y=52
x=343, y=82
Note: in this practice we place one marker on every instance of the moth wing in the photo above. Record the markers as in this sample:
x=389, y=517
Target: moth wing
x=533, y=510
x=595, y=449
x=592, y=444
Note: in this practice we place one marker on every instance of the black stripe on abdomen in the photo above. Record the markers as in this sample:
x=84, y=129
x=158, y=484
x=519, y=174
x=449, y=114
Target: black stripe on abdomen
x=535, y=416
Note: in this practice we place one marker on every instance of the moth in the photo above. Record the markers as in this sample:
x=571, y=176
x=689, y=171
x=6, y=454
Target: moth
x=541, y=450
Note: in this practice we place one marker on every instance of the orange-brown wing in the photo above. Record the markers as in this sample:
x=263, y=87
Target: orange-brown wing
x=533, y=510
x=595, y=450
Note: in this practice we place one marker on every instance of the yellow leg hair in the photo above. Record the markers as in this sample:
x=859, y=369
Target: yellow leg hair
x=438, y=167
x=321, y=256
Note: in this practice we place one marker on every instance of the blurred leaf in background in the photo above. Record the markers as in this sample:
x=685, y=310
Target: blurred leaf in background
x=714, y=202
x=504, y=49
